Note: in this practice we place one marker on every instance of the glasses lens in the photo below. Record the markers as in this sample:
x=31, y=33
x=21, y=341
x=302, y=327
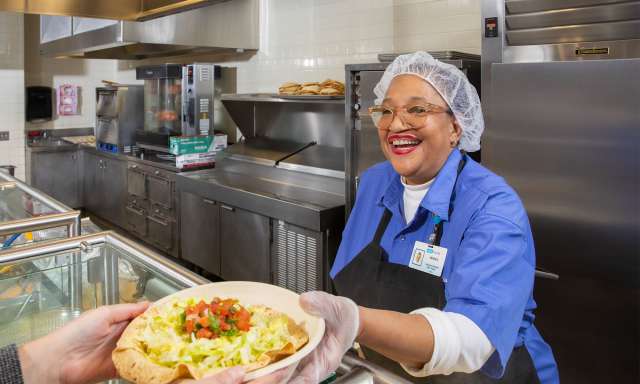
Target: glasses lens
x=381, y=117
x=416, y=115
x=376, y=116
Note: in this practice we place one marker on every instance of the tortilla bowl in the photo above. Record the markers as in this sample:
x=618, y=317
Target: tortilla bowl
x=132, y=363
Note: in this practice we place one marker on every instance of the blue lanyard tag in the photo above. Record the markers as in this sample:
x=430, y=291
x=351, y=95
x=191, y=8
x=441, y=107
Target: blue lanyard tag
x=436, y=221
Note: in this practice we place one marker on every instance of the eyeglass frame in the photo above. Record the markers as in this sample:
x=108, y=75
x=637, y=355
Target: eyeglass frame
x=435, y=109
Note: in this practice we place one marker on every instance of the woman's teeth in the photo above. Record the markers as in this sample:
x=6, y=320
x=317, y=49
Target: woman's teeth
x=402, y=142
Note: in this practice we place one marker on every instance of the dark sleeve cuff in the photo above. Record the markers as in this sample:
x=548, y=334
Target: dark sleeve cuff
x=10, y=371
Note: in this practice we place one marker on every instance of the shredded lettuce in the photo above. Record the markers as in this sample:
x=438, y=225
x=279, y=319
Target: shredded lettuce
x=167, y=344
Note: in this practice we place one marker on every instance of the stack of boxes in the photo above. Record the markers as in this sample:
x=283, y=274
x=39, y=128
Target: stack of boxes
x=196, y=151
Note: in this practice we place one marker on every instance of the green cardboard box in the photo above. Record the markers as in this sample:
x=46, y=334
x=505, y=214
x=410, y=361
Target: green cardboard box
x=183, y=145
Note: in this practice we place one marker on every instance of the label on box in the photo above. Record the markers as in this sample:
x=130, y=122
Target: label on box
x=193, y=160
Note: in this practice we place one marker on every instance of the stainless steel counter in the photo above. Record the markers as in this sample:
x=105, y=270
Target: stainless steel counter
x=58, y=145
x=310, y=201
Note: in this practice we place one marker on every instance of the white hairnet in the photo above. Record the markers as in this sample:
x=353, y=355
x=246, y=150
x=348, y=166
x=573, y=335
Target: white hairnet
x=451, y=84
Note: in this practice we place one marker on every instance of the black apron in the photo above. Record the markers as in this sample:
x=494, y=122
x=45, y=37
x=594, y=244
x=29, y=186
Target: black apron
x=371, y=281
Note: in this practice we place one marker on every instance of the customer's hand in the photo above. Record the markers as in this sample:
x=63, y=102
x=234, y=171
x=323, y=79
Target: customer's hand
x=342, y=324
x=79, y=352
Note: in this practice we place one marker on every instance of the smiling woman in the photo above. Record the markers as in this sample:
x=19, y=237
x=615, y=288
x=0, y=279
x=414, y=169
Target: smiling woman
x=418, y=139
x=437, y=251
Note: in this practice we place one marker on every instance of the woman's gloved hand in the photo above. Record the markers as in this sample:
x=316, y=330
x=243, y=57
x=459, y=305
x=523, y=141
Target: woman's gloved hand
x=342, y=326
x=236, y=376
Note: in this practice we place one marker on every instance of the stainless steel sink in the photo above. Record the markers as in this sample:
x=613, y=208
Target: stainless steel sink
x=50, y=143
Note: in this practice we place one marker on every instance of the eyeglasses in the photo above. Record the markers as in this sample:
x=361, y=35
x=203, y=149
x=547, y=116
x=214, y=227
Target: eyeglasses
x=414, y=115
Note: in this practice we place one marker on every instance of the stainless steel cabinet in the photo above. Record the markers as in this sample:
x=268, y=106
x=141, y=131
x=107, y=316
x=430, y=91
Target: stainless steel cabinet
x=58, y=175
x=244, y=245
x=200, y=231
x=151, y=208
x=105, y=180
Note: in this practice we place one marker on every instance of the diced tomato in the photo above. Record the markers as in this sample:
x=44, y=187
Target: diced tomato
x=225, y=305
x=204, y=321
x=243, y=325
x=201, y=306
x=189, y=326
x=224, y=326
x=213, y=307
x=204, y=333
x=243, y=318
x=190, y=310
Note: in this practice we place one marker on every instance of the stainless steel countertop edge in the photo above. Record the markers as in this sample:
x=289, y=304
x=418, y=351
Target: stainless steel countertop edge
x=304, y=215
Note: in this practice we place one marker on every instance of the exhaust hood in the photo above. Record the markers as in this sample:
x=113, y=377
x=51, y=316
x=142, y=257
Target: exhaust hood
x=225, y=27
x=131, y=10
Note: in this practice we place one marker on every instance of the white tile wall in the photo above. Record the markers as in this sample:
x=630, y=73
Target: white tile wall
x=310, y=40
x=12, y=90
x=437, y=25
x=50, y=72
x=307, y=40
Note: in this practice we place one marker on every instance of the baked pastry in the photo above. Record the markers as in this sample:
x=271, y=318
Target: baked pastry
x=289, y=88
x=330, y=92
x=335, y=84
x=310, y=89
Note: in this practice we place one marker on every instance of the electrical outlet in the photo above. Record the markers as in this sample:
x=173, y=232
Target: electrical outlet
x=4, y=135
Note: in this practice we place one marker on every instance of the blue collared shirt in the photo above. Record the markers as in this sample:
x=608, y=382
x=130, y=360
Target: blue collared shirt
x=490, y=264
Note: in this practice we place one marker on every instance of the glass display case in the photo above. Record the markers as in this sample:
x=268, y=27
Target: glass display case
x=44, y=285
x=28, y=215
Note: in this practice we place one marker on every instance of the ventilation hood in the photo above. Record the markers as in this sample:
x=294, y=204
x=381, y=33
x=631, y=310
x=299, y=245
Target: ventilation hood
x=131, y=10
x=226, y=26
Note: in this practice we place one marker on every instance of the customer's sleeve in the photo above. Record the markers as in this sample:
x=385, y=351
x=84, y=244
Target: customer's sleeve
x=10, y=371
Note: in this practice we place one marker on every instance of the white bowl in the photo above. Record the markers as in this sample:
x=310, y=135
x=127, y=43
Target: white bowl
x=277, y=298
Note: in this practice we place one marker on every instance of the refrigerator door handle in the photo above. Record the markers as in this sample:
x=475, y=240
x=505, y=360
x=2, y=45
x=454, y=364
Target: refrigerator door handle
x=544, y=274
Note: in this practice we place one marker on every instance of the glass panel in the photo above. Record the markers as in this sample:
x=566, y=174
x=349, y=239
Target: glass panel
x=35, y=297
x=163, y=106
x=138, y=281
x=16, y=204
x=27, y=238
x=38, y=296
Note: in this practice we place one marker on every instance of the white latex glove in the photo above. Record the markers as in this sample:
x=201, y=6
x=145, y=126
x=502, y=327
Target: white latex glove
x=342, y=323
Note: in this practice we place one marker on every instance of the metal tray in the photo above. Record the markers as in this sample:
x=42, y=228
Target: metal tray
x=310, y=97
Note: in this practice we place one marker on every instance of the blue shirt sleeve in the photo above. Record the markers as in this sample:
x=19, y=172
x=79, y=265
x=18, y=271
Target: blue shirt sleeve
x=491, y=279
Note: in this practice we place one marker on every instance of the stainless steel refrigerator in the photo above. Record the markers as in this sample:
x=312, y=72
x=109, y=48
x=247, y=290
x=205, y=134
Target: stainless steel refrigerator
x=561, y=95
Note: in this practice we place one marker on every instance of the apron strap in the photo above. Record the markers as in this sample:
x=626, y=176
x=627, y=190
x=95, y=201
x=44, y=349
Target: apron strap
x=382, y=226
x=440, y=225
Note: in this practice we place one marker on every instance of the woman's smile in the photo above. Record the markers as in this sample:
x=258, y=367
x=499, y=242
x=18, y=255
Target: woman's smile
x=402, y=144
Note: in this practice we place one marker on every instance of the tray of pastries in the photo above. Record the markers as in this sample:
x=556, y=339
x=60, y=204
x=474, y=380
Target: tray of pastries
x=328, y=89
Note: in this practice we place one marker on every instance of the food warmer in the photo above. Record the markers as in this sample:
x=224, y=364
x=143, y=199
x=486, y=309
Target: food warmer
x=27, y=214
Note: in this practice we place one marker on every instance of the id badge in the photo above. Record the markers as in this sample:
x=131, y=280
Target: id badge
x=428, y=258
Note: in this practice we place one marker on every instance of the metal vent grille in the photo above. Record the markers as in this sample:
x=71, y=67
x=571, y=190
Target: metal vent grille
x=297, y=264
x=533, y=22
